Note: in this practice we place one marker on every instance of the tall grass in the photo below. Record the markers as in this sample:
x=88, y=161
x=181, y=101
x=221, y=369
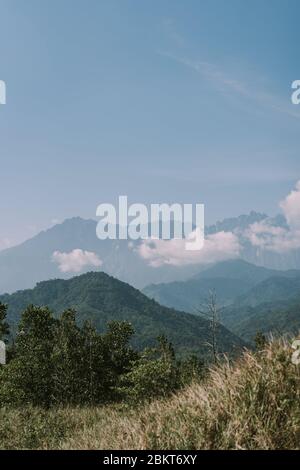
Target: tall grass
x=251, y=404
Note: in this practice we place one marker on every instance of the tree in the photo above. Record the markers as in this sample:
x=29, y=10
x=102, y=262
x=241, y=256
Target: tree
x=31, y=370
x=191, y=369
x=97, y=376
x=4, y=328
x=119, y=354
x=68, y=360
x=211, y=311
x=154, y=374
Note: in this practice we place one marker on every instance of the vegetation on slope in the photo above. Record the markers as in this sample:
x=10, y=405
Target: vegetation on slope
x=54, y=362
x=276, y=318
x=100, y=298
x=254, y=298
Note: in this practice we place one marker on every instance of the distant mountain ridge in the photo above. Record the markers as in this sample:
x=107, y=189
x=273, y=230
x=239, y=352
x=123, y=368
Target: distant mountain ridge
x=23, y=266
x=102, y=298
x=269, y=302
x=233, y=281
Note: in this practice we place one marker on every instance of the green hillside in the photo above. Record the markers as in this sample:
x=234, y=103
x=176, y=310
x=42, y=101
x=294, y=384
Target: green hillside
x=253, y=298
x=102, y=298
x=231, y=280
x=189, y=295
x=278, y=318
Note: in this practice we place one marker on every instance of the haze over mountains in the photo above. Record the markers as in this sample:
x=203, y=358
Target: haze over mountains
x=255, y=298
x=52, y=254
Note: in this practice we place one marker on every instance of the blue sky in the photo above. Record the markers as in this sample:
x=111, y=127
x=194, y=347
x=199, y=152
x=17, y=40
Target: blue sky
x=164, y=101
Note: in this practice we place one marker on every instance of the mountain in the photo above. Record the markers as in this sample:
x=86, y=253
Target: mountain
x=190, y=295
x=21, y=267
x=24, y=265
x=272, y=306
x=276, y=318
x=233, y=281
x=101, y=298
x=256, y=254
x=253, y=298
x=273, y=289
x=237, y=269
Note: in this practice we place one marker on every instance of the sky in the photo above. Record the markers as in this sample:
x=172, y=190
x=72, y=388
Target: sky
x=162, y=101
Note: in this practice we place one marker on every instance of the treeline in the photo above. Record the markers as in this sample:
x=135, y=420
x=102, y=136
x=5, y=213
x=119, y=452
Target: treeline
x=53, y=361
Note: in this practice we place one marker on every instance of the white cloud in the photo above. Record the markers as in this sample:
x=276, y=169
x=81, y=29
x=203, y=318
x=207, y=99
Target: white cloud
x=291, y=207
x=226, y=245
x=217, y=247
x=55, y=221
x=5, y=243
x=76, y=260
x=272, y=238
x=279, y=239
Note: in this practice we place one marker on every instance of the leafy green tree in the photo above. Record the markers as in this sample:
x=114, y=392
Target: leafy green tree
x=4, y=328
x=99, y=374
x=191, y=369
x=154, y=374
x=68, y=360
x=119, y=354
x=31, y=371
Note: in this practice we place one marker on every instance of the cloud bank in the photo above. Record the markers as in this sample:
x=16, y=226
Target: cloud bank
x=217, y=247
x=76, y=260
x=264, y=235
x=279, y=239
x=291, y=207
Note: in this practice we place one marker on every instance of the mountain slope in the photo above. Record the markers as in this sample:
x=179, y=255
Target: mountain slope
x=278, y=318
x=102, y=298
x=238, y=269
x=190, y=295
x=21, y=267
x=272, y=306
x=272, y=289
x=255, y=298
x=233, y=281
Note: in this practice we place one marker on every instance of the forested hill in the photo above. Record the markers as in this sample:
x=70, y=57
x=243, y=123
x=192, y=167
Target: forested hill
x=102, y=298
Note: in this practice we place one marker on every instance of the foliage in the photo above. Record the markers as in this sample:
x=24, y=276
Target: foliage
x=56, y=362
x=4, y=329
x=154, y=374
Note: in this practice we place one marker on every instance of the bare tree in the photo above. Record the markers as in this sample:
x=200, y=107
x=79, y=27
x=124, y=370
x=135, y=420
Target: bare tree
x=211, y=311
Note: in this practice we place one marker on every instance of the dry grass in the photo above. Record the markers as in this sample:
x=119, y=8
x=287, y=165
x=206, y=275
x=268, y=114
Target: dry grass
x=253, y=404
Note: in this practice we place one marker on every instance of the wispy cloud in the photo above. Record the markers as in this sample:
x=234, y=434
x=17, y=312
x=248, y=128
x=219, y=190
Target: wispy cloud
x=225, y=83
x=169, y=26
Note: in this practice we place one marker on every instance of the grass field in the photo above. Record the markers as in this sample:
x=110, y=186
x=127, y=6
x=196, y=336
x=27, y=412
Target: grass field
x=252, y=404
